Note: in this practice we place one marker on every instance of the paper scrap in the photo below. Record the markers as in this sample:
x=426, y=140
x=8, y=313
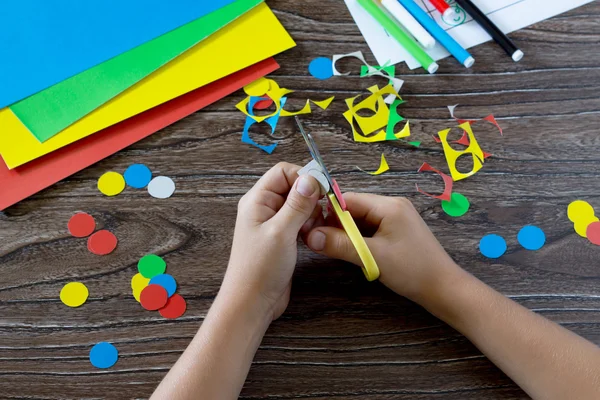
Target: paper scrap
x=137, y=176
x=305, y=110
x=263, y=104
x=580, y=209
x=452, y=155
x=394, y=119
x=81, y=225
x=492, y=246
x=153, y=297
x=74, y=294
x=531, y=237
x=257, y=88
x=324, y=104
x=138, y=283
x=314, y=169
x=593, y=233
x=457, y=206
x=166, y=281
x=321, y=68
x=174, y=308
x=390, y=70
x=111, y=183
x=383, y=167
x=490, y=118
x=246, y=137
x=582, y=224
x=104, y=355
x=161, y=187
x=102, y=243
x=448, y=183
x=151, y=265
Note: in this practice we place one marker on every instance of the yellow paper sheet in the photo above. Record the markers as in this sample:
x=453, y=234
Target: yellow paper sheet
x=231, y=49
x=453, y=155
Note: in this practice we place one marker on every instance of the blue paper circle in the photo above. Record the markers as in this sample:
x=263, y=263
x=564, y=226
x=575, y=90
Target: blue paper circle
x=104, y=355
x=166, y=281
x=321, y=68
x=138, y=176
x=531, y=237
x=492, y=246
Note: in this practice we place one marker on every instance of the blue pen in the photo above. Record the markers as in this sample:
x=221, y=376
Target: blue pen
x=438, y=33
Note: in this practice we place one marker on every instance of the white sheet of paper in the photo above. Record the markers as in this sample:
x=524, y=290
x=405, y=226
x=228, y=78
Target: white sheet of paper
x=508, y=15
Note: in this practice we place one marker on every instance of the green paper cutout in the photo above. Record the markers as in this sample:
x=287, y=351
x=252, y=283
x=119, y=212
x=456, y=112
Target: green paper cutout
x=151, y=265
x=457, y=206
x=394, y=119
x=48, y=112
x=415, y=144
x=390, y=70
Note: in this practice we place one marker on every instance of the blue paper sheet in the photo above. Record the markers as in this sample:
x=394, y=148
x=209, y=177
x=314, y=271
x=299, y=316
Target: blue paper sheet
x=45, y=42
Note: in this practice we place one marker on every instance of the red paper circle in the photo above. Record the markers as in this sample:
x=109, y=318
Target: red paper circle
x=102, y=243
x=153, y=297
x=593, y=233
x=174, y=308
x=81, y=225
x=263, y=104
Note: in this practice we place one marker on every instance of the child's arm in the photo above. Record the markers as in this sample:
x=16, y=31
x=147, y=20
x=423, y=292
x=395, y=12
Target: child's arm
x=543, y=358
x=255, y=290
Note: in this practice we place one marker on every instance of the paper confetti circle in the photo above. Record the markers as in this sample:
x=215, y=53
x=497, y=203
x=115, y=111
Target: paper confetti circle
x=492, y=246
x=151, y=265
x=579, y=209
x=174, y=308
x=531, y=237
x=153, y=297
x=166, y=281
x=582, y=224
x=161, y=187
x=263, y=104
x=138, y=176
x=102, y=242
x=321, y=68
x=258, y=88
x=138, y=283
x=81, y=225
x=593, y=233
x=104, y=355
x=111, y=183
x=457, y=206
x=74, y=294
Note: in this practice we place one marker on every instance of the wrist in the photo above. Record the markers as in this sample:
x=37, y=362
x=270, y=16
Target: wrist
x=442, y=288
x=246, y=302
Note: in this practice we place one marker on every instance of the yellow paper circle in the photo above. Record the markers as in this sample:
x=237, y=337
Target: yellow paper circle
x=257, y=88
x=74, y=294
x=580, y=209
x=138, y=283
x=111, y=183
x=582, y=223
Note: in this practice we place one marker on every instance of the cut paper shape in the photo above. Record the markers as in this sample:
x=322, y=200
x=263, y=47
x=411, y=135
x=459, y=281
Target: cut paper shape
x=383, y=167
x=314, y=169
x=246, y=106
x=272, y=120
x=137, y=176
x=174, y=308
x=151, y=265
x=153, y=297
x=104, y=355
x=531, y=237
x=48, y=112
x=18, y=184
x=390, y=70
x=457, y=206
x=70, y=37
x=246, y=137
x=161, y=187
x=321, y=68
x=166, y=281
x=138, y=283
x=263, y=104
x=582, y=224
x=220, y=55
x=81, y=225
x=490, y=118
x=102, y=243
x=593, y=233
x=579, y=209
x=492, y=246
x=305, y=110
x=394, y=119
x=452, y=155
x=323, y=104
x=74, y=294
x=111, y=183
x=257, y=88
x=448, y=183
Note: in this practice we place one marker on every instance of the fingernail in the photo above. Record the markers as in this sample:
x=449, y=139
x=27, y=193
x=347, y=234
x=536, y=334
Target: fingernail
x=317, y=241
x=305, y=186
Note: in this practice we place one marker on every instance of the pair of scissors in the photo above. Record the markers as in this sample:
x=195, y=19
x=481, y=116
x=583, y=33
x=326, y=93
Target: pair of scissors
x=369, y=267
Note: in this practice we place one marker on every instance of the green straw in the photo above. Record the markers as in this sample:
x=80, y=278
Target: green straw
x=397, y=33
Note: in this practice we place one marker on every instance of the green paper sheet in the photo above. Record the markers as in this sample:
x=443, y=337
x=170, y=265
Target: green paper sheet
x=48, y=112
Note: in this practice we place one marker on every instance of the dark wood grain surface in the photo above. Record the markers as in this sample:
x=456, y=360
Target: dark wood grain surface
x=341, y=336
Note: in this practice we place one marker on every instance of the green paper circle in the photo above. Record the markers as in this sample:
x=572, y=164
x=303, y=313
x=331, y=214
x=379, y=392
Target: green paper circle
x=151, y=265
x=457, y=206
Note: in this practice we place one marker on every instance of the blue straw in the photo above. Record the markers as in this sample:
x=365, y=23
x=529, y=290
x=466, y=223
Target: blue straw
x=438, y=33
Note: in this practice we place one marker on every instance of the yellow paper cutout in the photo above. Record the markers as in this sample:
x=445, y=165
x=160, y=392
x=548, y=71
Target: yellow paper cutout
x=111, y=183
x=257, y=88
x=368, y=125
x=579, y=209
x=305, y=110
x=138, y=283
x=405, y=132
x=323, y=104
x=453, y=155
x=275, y=94
x=74, y=294
x=582, y=224
x=222, y=54
x=383, y=167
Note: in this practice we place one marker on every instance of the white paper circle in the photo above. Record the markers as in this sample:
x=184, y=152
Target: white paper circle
x=161, y=187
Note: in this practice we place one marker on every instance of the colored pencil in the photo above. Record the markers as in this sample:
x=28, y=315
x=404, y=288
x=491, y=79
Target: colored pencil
x=409, y=23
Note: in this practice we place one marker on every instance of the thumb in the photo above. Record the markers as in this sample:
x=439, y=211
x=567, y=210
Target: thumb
x=334, y=243
x=300, y=203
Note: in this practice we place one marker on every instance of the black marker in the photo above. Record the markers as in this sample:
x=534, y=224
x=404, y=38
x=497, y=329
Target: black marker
x=492, y=29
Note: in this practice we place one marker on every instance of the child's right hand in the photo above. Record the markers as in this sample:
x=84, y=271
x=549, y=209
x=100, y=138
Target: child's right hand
x=410, y=258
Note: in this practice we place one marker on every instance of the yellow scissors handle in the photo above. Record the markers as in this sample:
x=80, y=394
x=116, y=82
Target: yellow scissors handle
x=370, y=268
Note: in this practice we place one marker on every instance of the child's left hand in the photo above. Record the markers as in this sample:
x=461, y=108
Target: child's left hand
x=264, y=251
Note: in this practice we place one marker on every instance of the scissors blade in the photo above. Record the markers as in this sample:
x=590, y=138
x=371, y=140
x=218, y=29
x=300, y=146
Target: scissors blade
x=314, y=152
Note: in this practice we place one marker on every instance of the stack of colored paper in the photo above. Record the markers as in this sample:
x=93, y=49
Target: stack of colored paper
x=82, y=80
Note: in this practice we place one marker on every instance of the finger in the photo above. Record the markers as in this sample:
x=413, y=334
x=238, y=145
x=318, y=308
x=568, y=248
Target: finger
x=368, y=207
x=314, y=217
x=299, y=205
x=334, y=243
x=278, y=179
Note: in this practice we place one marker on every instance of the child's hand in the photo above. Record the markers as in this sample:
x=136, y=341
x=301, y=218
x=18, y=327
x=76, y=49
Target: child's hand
x=264, y=251
x=409, y=257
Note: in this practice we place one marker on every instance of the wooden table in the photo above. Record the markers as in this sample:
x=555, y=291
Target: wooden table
x=341, y=337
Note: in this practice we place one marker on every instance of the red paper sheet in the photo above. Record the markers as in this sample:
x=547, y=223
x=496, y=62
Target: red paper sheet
x=24, y=181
